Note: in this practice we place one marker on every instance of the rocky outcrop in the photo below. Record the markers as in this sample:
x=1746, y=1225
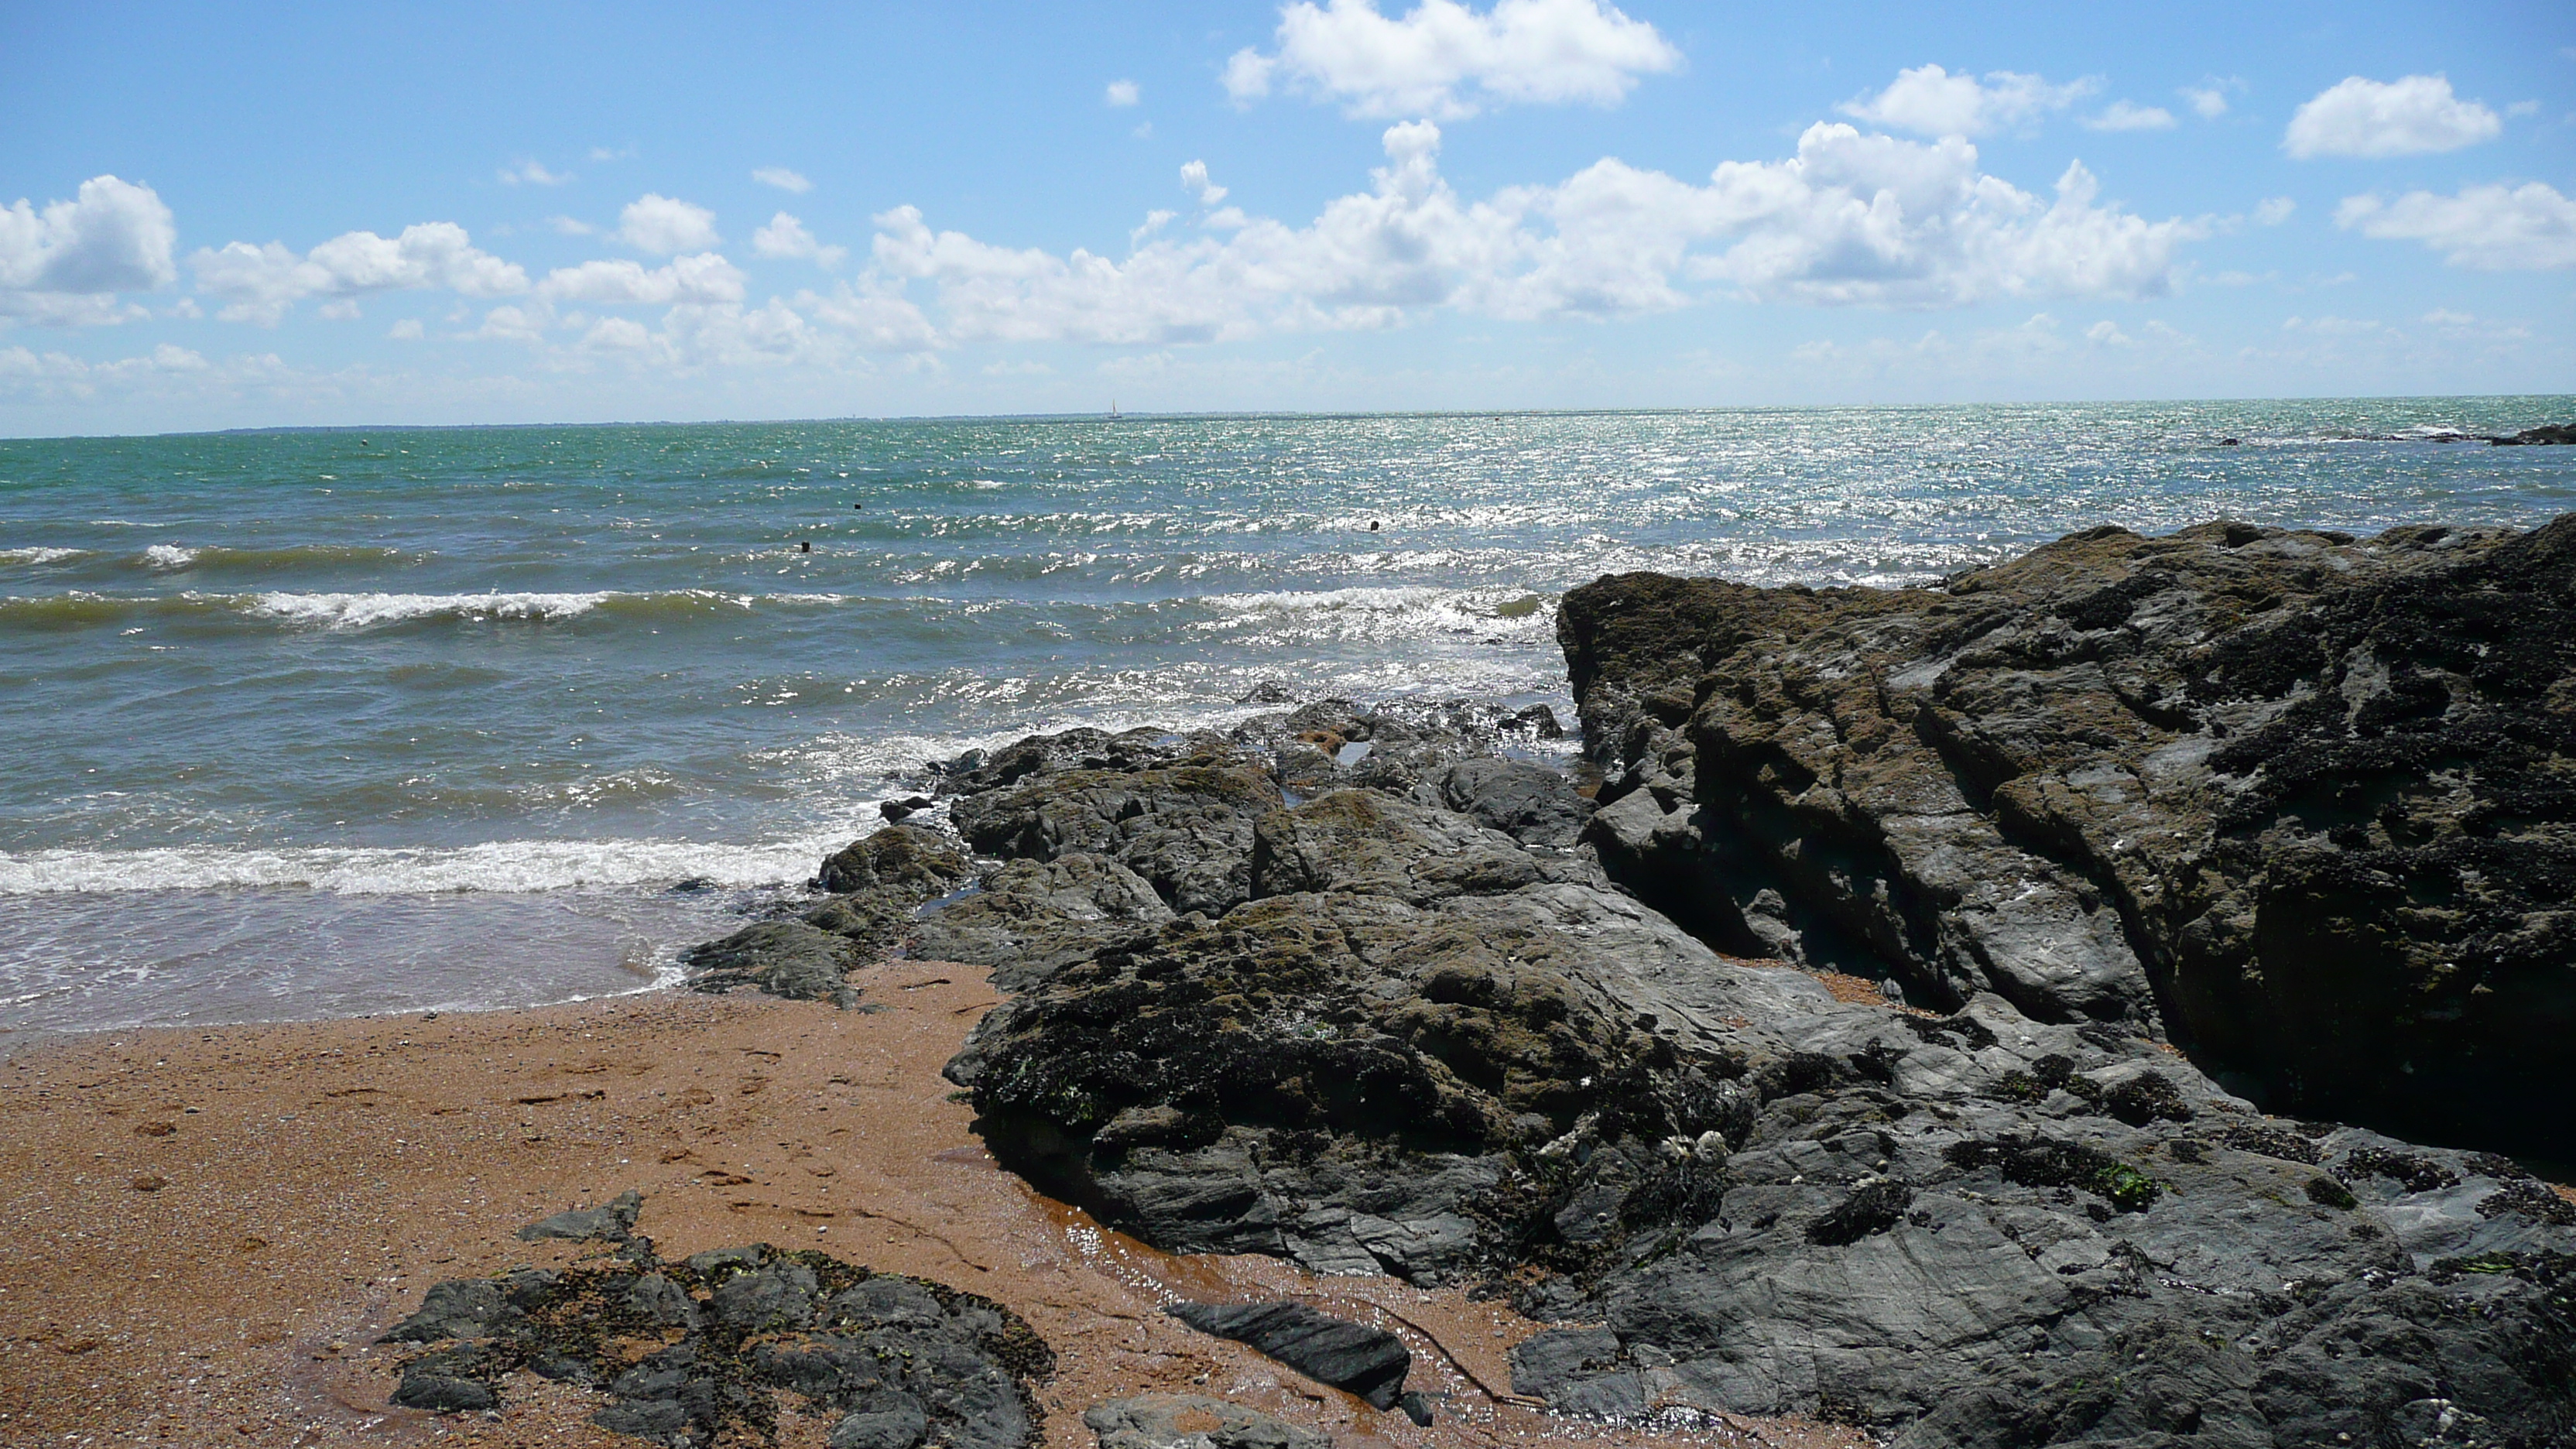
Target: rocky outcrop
x=873, y=887
x=1403, y=1053
x=699, y=1352
x=2562, y=433
x=1031, y=917
x=1368, y=1011
x=2296, y=801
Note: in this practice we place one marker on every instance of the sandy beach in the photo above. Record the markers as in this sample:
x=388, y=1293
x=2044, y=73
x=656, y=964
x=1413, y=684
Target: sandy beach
x=203, y=1231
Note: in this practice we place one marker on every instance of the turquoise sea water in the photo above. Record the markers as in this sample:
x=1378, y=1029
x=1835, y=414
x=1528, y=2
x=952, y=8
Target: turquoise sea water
x=305, y=724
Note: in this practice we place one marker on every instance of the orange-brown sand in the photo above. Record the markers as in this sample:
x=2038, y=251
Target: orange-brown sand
x=203, y=1231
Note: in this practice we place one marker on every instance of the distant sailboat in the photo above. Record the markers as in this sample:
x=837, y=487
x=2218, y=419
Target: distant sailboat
x=1113, y=408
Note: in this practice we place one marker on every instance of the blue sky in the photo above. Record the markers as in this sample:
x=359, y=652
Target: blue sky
x=239, y=216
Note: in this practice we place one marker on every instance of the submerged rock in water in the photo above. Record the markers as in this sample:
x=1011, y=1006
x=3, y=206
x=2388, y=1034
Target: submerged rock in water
x=698, y=1353
x=2296, y=799
x=1367, y=1363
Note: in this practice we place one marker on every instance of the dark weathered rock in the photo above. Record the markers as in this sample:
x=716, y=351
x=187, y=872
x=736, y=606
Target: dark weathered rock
x=1368, y=1363
x=784, y=958
x=2297, y=799
x=1769, y=1201
x=2561, y=433
x=905, y=858
x=1186, y=829
x=1532, y=803
x=1364, y=842
x=878, y=883
x=1340, y=1077
x=1031, y=917
x=696, y=1353
x=440, y=1393
x=1194, y=1421
x=612, y=1221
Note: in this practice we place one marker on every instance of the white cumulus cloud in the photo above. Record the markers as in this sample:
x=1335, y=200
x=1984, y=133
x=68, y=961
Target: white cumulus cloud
x=2410, y=116
x=2129, y=116
x=1444, y=60
x=874, y=315
x=787, y=237
x=780, y=177
x=65, y=264
x=1194, y=180
x=666, y=226
x=1850, y=219
x=1121, y=93
x=2207, y=102
x=55, y=376
x=2489, y=228
x=262, y=283
x=1930, y=101
x=2273, y=210
x=701, y=278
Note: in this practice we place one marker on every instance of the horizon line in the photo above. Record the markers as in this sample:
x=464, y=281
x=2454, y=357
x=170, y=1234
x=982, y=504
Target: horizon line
x=1324, y=414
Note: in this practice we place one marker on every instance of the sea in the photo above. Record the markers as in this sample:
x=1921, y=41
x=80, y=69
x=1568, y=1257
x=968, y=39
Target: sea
x=308, y=724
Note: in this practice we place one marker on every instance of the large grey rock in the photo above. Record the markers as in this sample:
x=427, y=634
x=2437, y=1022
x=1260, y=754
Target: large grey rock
x=1031, y=917
x=784, y=958
x=1366, y=842
x=1966, y=1229
x=906, y=858
x=1186, y=829
x=2295, y=800
x=1533, y=803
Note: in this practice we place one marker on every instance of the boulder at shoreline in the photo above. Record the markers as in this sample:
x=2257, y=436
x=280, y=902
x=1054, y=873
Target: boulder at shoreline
x=2297, y=801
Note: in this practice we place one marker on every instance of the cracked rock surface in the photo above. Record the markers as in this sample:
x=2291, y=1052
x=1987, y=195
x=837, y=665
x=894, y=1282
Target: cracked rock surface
x=2301, y=802
x=695, y=1353
x=1404, y=1051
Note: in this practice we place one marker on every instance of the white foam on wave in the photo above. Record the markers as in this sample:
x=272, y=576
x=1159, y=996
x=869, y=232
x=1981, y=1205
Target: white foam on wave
x=169, y=556
x=361, y=611
x=505, y=865
x=1392, y=611
x=40, y=555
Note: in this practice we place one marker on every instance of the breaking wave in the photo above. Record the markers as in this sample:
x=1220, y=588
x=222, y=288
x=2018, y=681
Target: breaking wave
x=507, y=865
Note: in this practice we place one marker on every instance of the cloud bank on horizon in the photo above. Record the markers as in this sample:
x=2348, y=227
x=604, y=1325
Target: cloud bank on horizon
x=1881, y=205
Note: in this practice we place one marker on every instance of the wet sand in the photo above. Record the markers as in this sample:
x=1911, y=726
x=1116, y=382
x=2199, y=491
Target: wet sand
x=203, y=1231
